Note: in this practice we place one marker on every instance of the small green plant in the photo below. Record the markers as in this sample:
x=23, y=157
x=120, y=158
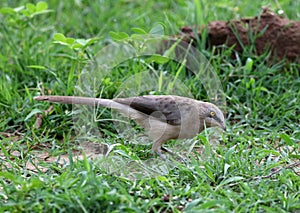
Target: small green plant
x=78, y=57
x=22, y=33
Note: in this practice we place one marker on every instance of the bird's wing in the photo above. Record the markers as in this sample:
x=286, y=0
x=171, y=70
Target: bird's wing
x=164, y=108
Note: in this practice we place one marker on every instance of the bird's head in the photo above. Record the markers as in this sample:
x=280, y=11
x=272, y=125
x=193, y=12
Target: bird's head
x=212, y=115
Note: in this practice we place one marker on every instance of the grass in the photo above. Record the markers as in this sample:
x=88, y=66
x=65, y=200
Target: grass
x=244, y=170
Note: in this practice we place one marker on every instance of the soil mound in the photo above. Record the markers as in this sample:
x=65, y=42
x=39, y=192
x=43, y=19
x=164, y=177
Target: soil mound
x=267, y=32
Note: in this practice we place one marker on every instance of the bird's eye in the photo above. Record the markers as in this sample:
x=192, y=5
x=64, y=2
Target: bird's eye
x=212, y=114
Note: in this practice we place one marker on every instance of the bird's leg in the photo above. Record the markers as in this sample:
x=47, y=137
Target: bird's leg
x=161, y=155
x=157, y=147
x=178, y=157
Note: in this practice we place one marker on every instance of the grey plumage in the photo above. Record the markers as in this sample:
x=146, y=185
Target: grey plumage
x=164, y=117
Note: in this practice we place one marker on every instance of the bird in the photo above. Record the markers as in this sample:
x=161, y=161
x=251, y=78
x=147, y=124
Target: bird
x=164, y=117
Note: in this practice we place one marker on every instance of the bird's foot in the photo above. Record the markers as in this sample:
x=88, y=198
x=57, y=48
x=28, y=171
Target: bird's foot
x=175, y=156
x=161, y=155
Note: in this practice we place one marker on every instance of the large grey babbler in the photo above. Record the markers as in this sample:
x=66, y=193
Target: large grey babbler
x=164, y=117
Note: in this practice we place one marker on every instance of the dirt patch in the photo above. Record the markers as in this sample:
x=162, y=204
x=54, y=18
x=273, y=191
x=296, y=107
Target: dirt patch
x=40, y=158
x=267, y=31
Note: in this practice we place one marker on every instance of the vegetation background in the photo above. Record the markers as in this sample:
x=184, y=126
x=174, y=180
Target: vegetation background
x=44, y=47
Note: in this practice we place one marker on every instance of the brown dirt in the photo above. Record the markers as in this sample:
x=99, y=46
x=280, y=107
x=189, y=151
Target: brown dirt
x=40, y=156
x=271, y=32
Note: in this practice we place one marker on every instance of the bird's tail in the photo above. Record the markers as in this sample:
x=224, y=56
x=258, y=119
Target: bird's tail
x=79, y=100
x=124, y=109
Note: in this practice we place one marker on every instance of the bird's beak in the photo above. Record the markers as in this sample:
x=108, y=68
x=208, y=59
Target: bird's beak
x=218, y=124
x=223, y=126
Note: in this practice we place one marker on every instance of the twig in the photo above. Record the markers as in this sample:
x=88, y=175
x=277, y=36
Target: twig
x=289, y=166
x=39, y=117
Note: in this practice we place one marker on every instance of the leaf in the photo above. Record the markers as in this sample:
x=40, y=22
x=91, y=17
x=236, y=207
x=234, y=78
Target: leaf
x=118, y=36
x=26, y=13
x=226, y=167
x=262, y=89
x=295, y=156
x=18, y=9
x=210, y=204
x=209, y=172
x=7, y=10
x=41, y=6
x=70, y=41
x=192, y=204
x=76, y=46
x=268, y=151
x=171, y=50
x=230, y=180
x=286, y=139
x=229, y=153
x=157, y=30
x=33, y=112
x=37, y=67
x=86, y=162
x=138, y=30
x=249, y=64
x=125, y=152
x=7, y=175
x=31, y=7
x=162, y=178
x=41, y=12
x=157, y=59
x=59, y=37
x=82, y=42
x=250, y=83
x=92, y=41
